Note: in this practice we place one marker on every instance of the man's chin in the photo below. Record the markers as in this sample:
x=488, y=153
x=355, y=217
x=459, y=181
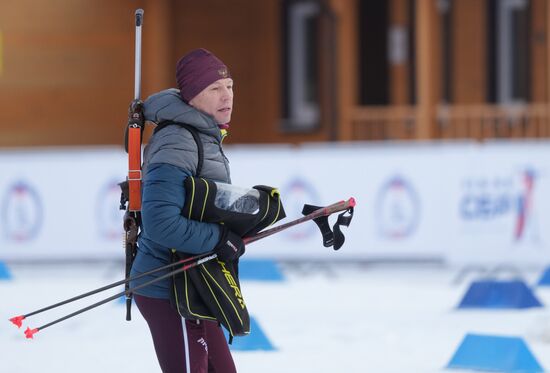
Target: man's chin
x=223, y=119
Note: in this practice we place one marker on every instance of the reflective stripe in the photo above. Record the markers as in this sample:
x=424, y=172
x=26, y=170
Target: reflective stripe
x=186, y=347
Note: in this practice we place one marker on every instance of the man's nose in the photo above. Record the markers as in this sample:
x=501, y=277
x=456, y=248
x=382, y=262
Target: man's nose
x=227, y=94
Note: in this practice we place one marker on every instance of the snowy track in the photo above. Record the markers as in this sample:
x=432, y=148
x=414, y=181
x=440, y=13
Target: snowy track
x=338, y=318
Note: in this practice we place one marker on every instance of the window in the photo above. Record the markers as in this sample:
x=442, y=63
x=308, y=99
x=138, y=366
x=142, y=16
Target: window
x=509, y=60
x=301, y=70
x=373, y=52
x=445, y=14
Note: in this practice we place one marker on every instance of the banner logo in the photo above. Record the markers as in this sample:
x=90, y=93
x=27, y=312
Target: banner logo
x=525, y=204
x=493, y=205
x=22, y=213
x=398, y=209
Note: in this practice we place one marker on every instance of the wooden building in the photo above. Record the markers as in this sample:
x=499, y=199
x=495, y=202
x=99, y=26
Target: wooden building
x=304, y=70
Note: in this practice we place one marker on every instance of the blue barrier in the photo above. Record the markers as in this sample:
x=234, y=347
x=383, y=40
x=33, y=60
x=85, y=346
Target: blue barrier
x=499, y=295
x=5, y=273
x=492, y=353
x=259, y=270
x=255, y=341
x=544, y=279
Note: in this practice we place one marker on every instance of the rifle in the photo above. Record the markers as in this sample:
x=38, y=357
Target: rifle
x=130, y=199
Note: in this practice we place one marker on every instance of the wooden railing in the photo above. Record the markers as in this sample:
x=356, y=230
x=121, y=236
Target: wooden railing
x=453, y=122
x=384, y=123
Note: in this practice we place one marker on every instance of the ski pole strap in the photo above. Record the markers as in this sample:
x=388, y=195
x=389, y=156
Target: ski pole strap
x=322, y=223
x=344, y=220
x=331, y=237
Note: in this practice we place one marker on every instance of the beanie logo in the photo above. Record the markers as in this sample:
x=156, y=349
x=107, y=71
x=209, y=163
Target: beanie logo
x=223, y=72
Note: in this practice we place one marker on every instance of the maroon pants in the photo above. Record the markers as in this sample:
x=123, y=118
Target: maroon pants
x=185, y=346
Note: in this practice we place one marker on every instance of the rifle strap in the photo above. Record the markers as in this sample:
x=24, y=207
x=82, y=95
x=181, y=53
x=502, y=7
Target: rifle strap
x=134, y=168
x=132, y=143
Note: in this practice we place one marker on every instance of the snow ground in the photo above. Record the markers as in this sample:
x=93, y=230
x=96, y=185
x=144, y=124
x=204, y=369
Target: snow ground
x=323, y=318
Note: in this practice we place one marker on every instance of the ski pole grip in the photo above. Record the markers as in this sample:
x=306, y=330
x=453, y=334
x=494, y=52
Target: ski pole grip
x=339, y=206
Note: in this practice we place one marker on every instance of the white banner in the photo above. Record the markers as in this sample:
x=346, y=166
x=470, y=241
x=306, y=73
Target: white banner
x=58, y=204
x=461, y=202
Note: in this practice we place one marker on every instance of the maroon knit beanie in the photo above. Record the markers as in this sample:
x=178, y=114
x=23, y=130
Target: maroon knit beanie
x=197, y=70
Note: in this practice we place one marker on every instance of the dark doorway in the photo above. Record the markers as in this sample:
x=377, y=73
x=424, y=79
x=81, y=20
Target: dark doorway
x=373, y=52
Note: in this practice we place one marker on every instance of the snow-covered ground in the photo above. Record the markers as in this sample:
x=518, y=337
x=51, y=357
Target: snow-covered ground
x=322, y=318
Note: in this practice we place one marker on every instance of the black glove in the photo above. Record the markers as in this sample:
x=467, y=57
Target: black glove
x=230, y=246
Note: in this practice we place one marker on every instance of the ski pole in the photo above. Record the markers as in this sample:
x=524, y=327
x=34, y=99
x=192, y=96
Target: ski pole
x=18, y=320
x=325, y=211
x=29, y=333
x=192, y=262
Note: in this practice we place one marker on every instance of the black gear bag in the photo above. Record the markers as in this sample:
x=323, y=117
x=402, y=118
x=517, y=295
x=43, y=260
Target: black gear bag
x=211, y=291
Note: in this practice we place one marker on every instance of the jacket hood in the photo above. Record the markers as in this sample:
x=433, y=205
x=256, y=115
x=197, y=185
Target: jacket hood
x=168, y=106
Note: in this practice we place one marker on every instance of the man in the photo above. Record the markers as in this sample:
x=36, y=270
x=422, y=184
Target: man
x=205, y=102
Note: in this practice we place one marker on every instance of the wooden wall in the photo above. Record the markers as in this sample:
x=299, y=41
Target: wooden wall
x=539, y=54
x=399, y=72
x=469, y=52
x=67, y=71
x=245, y=35
x=68, y=65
